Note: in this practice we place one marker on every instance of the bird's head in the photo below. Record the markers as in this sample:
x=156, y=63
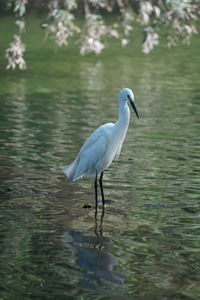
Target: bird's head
x=127, y=96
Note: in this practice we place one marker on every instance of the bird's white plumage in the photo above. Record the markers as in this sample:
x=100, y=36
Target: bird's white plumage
x=104, y=144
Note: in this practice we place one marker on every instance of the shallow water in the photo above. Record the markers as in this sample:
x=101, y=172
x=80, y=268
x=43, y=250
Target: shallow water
x=144, y=245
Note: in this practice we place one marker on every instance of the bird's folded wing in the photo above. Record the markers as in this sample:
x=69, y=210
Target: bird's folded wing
x=89, y=158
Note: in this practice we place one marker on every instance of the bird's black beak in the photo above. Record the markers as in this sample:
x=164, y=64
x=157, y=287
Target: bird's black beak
x=133, y=106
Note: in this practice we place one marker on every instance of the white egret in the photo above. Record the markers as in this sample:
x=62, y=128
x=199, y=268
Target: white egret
x=103, y=145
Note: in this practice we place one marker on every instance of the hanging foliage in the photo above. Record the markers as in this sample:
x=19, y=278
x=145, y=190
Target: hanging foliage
x=63, y=22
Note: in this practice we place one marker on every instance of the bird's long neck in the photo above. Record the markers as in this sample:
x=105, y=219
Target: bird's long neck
x=123, y=121
x=124, y=114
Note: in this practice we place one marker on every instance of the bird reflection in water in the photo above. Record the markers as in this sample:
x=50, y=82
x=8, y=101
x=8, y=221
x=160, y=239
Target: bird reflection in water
x=98, y=264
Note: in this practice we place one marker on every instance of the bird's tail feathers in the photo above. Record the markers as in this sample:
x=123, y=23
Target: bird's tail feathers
x=69, y=171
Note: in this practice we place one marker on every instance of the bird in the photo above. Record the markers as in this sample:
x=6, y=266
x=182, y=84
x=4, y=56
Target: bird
x=103, y=146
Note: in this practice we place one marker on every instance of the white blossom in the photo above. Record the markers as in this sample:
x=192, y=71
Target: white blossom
x=15, y=54
x=124, y=42
x=151, y=40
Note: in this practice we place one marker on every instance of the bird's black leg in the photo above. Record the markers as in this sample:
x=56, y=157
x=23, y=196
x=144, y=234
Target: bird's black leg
x=96, y=192
x=101, y=187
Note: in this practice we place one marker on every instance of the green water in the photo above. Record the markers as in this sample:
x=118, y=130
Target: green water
x=146, y=244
